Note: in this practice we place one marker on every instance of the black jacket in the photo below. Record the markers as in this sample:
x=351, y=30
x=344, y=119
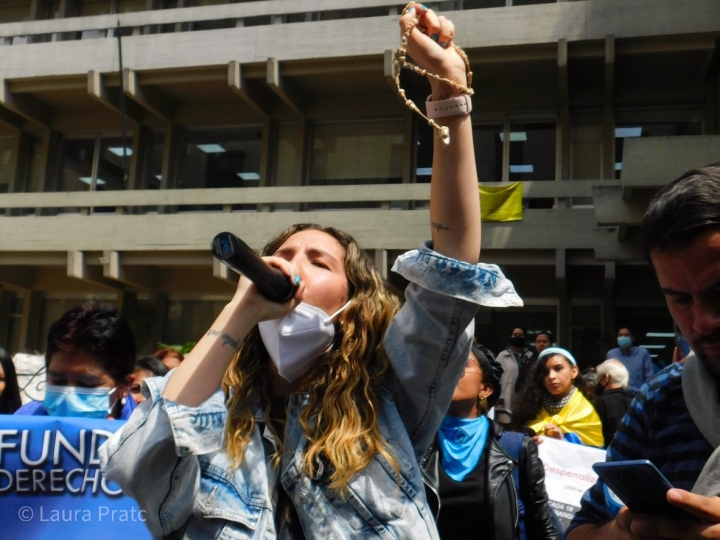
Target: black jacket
x=611, y=406
x=539, y=523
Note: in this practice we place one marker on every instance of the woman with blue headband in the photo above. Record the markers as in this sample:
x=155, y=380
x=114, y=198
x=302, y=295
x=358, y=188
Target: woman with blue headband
x=553, y=406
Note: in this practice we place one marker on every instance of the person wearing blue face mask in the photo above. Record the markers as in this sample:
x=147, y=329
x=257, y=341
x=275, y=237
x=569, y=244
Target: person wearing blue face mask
x=89, y=358
x=636, y=359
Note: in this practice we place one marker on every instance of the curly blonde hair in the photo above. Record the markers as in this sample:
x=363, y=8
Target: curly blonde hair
x=340, y=422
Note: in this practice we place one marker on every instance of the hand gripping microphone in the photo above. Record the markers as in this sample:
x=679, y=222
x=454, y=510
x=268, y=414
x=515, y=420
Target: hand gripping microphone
x=237, y=255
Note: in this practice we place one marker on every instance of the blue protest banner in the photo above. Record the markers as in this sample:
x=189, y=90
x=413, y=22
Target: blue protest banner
x=51, y=486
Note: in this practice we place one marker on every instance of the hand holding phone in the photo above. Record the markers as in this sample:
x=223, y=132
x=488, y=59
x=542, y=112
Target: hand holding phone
x=640, y=486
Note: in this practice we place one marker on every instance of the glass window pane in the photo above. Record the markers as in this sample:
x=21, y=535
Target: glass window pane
x=77, y=160
x=488, y=151
x=95, y=7
x=659, y=129
x=154, y=179
x=220, y=158
x=8, y=148
x=532, y=151
x=357, y=153
x=111, y=175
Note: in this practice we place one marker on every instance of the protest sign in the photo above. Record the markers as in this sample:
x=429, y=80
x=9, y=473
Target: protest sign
x=568, y=474
x=51, y=486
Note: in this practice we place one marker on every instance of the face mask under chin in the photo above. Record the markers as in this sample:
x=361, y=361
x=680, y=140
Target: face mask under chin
x=298, y=339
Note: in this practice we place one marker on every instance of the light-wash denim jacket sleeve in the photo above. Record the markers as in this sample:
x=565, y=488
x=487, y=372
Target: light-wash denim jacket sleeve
x=171, y=458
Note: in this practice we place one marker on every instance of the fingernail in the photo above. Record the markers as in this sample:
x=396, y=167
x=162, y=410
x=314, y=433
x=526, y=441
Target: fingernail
x=434, y=37
x=443, y=44
x=296, y=280
x=411, y=10
x=424, y=7
x=674, y=495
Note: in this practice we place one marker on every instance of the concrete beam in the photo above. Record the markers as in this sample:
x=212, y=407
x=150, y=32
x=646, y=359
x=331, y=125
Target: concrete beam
x=19, y=277
x=25, y=106
x=249, y=95
x=148, y=97
x=78, y=268
x=145, y=278
x=223, y=273
x=389, y=73
x=10, y=119
x=612, y=210
x=288, y=92
x=110, y=97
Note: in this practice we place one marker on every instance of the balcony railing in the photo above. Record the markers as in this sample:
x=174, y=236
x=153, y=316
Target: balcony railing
x=265, y=198
x=249, y=13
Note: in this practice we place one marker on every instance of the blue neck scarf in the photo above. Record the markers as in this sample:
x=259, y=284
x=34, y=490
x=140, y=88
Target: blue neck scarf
x=462, y=441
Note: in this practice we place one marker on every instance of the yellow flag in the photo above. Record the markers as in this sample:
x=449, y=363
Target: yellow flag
x=501, y=203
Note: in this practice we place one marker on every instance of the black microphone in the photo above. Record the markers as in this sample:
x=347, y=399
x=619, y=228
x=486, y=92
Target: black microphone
x=237, y=255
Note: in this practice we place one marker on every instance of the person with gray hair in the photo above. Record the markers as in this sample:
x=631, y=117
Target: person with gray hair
x=612, y=396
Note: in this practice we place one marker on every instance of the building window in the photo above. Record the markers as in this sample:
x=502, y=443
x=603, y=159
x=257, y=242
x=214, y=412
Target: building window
x=220, y=158
x=488, y=141
x=8, y=146
x=532, y=149
x=155, y=158
x=77, y=164
x=650, y=129
x=357, y=153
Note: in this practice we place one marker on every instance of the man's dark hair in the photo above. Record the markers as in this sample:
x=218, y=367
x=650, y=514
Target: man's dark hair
x=682, y=210
x=153, y=365
x=98, y=330
x=521, y=327
x=626, y=327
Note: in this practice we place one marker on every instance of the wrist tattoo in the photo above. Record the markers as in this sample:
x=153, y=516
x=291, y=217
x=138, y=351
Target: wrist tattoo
x=439, y=227
x=227, y=340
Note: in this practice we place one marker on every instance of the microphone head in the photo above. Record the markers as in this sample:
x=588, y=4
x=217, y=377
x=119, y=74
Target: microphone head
x=224, y=245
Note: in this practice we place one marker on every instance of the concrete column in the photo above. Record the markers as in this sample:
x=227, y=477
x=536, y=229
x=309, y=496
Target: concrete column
x=171, y=154
x=51, y=166
x=20, y=167
x=141, y=142
x=608, y=308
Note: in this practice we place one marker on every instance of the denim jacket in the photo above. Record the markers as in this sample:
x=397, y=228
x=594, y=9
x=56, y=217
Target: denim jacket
x=171, y=458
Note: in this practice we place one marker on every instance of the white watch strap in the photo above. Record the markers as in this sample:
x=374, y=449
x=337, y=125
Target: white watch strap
x=457, y=106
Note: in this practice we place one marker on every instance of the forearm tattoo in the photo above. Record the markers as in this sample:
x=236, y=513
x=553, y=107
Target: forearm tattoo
x=439, y=227
x=227, y=340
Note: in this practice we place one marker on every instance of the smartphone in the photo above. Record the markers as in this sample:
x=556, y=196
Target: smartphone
x=641, y=486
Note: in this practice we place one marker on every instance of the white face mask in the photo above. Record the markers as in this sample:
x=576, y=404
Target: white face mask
x=295, y=341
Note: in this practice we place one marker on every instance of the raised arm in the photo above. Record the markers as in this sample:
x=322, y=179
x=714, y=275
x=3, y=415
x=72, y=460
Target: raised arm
x=454, y=198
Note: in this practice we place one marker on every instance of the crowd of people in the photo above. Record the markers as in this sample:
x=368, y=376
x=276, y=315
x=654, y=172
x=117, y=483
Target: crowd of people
x=342, y=414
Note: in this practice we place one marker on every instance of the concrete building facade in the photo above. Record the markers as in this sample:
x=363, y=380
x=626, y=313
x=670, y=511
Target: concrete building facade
x=250, y=116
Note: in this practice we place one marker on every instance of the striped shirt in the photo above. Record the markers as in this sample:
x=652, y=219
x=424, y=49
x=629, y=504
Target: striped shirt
x=657, y=427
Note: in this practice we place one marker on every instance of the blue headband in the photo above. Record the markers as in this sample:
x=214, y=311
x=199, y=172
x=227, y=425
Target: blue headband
x=550, y=351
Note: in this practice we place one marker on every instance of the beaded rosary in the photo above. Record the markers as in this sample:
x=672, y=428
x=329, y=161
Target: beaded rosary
x=400, y=61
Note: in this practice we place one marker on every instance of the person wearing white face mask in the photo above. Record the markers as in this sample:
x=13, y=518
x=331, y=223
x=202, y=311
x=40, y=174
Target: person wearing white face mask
x=89, y=358
x=328, y=402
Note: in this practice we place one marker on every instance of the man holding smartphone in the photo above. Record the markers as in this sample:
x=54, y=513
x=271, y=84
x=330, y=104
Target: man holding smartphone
x=674, y=421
